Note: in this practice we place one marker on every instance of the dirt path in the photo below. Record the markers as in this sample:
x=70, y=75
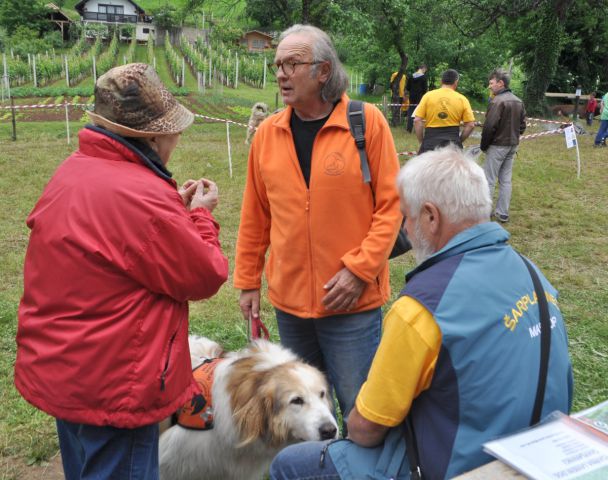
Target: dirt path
x=16, y=469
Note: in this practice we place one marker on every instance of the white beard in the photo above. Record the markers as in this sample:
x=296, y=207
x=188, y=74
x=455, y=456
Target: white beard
x=420, y=245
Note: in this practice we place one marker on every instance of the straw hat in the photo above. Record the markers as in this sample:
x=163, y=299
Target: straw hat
x=131, y=101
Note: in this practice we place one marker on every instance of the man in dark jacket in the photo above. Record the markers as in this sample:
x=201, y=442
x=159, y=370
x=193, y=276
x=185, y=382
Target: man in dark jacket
x=116, y=251
x=505, y=122
x=417, y=85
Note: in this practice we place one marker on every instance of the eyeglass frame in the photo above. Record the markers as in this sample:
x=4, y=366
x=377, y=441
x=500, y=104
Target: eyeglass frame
x=274, y=67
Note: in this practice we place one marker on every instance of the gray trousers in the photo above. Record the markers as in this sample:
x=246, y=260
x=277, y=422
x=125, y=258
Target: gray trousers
x=499, y=166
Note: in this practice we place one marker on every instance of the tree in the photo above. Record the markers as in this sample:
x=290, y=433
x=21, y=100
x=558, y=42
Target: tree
x=165, y=16
x=272, y=13
x=583, y=60
x=537, y=33
x=27, y=13
x=541, y=68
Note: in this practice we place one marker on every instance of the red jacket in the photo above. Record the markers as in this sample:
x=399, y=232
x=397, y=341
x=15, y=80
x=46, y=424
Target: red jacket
x=591, y=105
x=112, y=261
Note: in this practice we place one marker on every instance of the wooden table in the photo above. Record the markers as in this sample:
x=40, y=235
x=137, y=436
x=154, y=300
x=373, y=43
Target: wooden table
x=491, y=471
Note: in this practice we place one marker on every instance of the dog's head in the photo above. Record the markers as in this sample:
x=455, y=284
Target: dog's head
x=260, y=107
x=278, y=399
x=259, y=110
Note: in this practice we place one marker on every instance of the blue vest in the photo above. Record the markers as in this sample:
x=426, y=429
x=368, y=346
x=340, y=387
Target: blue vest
x=481, y=295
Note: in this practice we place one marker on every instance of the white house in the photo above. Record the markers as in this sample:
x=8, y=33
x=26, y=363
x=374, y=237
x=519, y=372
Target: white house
x=117, y=12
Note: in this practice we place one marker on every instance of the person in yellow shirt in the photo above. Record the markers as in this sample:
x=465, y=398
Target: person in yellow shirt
x=397, y=97
x=439, y=114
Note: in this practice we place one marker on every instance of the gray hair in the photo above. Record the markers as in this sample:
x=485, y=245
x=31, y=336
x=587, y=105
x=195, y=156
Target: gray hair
x=451, y=181
x=501, y=74
x=323, y=50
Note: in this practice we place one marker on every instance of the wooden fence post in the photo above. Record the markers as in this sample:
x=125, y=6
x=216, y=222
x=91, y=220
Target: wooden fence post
x=384, y=107
x=14, y=137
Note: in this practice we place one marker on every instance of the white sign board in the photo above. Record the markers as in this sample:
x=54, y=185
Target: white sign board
x=570, y=136
x=578, y=92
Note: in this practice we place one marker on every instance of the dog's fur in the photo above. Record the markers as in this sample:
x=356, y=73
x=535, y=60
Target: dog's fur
x=264, y=399
x=258, y=113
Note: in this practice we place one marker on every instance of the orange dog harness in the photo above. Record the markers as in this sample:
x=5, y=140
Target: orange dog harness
x=197, y=414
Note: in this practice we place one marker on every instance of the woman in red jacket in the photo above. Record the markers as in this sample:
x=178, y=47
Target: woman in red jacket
x=116, y=251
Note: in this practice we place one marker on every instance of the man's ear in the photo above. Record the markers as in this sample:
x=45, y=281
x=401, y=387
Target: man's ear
x=324, y=72
x=432, y=216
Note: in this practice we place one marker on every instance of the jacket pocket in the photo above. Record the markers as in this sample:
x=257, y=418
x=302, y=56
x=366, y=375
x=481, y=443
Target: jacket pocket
x=166, y=364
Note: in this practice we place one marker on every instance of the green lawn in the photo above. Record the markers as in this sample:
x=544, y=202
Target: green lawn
x=556, y=219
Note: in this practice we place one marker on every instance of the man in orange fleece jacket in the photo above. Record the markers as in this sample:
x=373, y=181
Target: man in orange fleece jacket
x=329, y=233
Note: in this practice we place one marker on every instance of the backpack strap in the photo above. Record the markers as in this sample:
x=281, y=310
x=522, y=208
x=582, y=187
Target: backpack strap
x=356, y=121
x=545, y=342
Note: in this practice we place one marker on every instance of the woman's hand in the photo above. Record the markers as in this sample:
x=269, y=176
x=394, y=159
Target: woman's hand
x=206, y=195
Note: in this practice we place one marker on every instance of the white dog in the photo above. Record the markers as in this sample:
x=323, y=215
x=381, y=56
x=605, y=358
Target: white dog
x=258, y=113
x=264, y=398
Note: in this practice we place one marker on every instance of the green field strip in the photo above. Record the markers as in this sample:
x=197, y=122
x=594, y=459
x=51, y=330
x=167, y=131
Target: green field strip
x=141, y=53
x=162, y=67
x=191, y=82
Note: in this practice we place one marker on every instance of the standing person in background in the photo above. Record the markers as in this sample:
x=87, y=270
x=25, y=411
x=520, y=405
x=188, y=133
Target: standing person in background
x=328, y=232
x=505, y=122
x=116, y=251
x=439, y=113
x=602, y=133
x=590, y=109
x=397, y=86
x=417, y=85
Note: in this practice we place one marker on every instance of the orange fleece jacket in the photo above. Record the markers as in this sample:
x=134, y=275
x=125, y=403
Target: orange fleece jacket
x=316, y=231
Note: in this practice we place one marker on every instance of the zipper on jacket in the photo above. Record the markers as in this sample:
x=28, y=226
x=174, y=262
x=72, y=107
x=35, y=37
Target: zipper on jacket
x=163, y=375
x=310, y=263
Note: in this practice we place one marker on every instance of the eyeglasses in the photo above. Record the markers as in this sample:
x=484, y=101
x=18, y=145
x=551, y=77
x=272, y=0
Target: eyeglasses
x=288, y=67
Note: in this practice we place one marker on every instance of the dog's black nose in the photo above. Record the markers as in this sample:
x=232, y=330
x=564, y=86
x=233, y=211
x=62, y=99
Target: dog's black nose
x=327, y=431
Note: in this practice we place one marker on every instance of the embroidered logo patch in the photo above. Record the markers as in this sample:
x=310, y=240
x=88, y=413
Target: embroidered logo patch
x=334, y=164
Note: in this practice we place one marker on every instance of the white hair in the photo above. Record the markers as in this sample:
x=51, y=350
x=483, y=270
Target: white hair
x=451, y=181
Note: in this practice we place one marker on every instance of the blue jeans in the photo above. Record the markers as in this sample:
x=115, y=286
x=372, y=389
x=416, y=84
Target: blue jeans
x=303, y=460
x=602, y=133
x=342, y=346
x=90, y=452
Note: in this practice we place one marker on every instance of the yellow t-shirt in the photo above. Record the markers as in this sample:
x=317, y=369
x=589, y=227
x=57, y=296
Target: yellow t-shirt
x=401, y=83
x=444, y=107
x=404, y=363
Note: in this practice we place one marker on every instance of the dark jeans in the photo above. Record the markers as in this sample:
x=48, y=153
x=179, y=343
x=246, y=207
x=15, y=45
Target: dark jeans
x=342, y=346
x=90, y=452
x=396, y=110
x=410, y=119
x=302, y=461
x=602, y=133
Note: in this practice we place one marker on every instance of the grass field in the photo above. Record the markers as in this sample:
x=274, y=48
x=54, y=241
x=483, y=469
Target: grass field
x=557, y=220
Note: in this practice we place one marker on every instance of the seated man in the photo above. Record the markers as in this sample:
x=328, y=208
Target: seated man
x=460, y=352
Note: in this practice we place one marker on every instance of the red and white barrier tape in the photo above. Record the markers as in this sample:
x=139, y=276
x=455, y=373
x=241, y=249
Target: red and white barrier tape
x=523, y=137
x=548, y=132
x=223, y=120
x=43, y=105
x=529, y=118
x=395, y=104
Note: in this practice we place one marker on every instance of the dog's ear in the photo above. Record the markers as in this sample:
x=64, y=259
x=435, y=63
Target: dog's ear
x=251, y=403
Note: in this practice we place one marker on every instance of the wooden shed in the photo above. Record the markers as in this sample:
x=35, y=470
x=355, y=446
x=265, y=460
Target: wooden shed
x=257, y=41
